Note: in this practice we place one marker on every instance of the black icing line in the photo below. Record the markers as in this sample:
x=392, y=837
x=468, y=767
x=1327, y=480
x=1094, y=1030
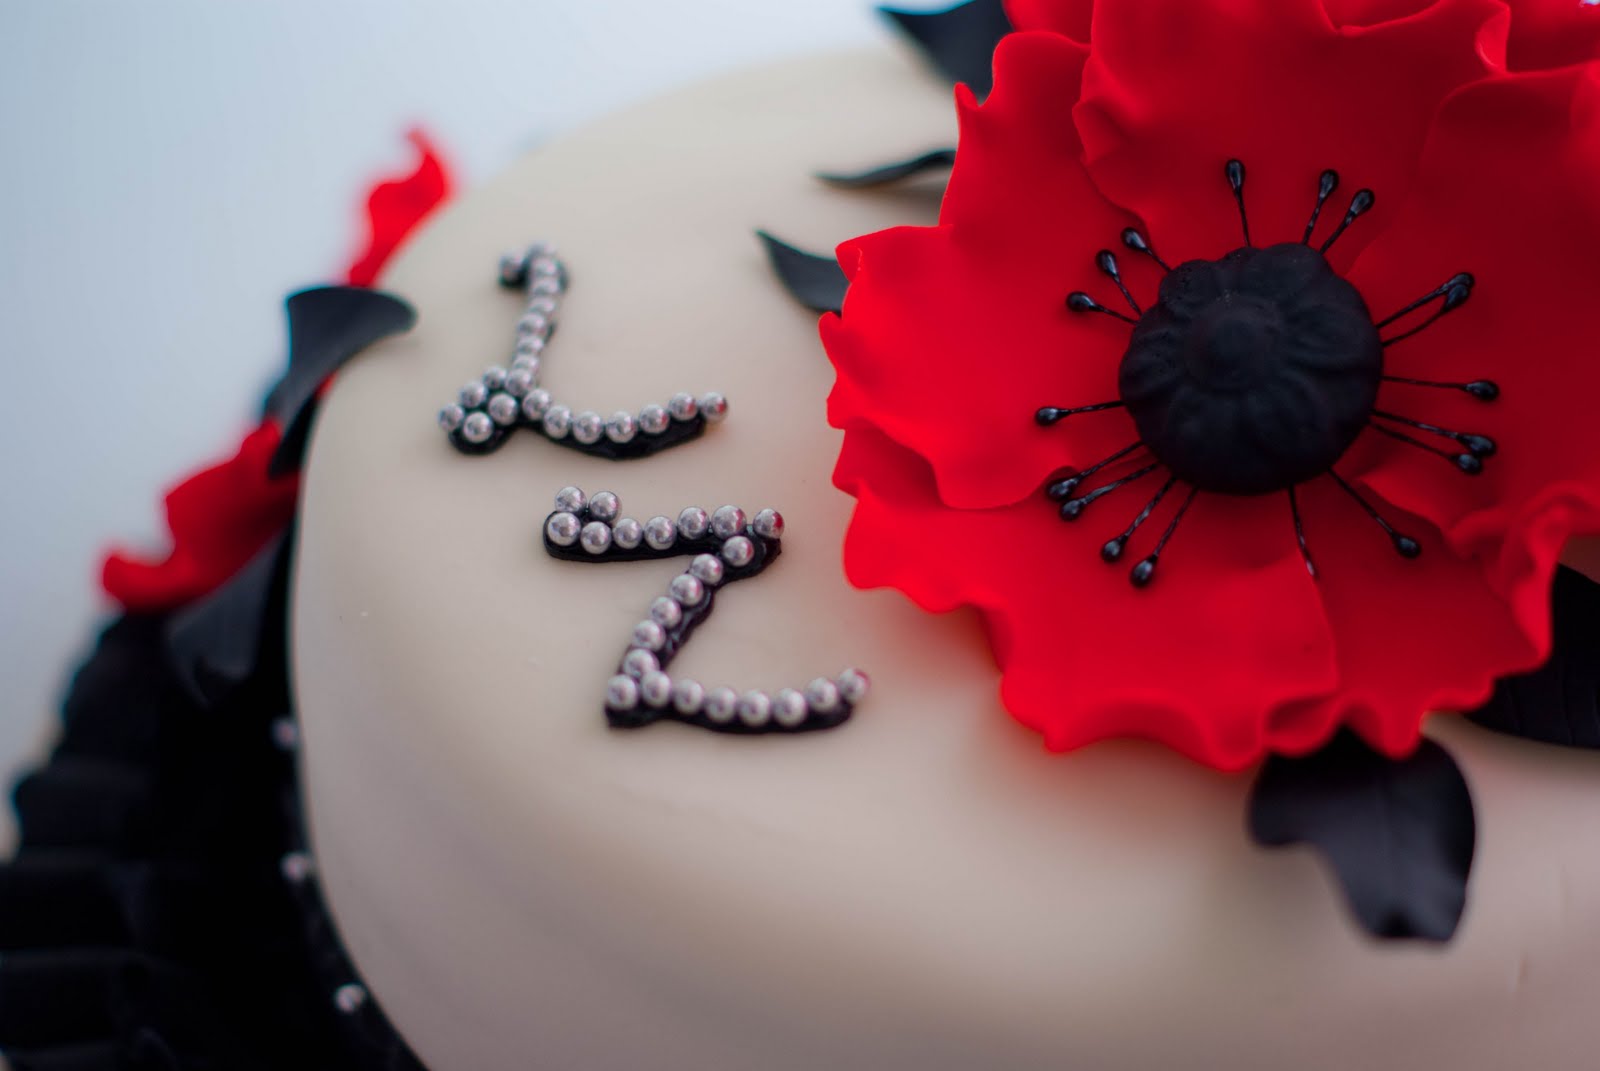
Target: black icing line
x=1398, y=833
x=890, y=173
x=1558, y=703
x=221, y=642
x=815, y=281
x=328, y=325
x=959, y=42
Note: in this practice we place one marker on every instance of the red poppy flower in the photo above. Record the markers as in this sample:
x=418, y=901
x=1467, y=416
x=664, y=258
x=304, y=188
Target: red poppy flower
x=1317, y=475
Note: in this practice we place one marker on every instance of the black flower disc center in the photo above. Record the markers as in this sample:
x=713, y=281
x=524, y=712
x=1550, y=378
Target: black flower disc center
x=1252, y=373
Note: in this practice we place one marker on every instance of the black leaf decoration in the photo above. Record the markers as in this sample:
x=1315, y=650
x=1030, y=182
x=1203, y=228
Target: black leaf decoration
x=1398, y=832
x=328, y=325
x=817, y=282
x=221, y=642
x=886, y=174
x=1558, y=703
x=960, y=41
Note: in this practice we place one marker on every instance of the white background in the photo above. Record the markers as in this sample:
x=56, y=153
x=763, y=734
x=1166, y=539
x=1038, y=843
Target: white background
x=169, y=169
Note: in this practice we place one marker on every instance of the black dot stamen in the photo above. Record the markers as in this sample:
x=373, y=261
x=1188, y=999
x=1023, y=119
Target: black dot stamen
x=1404, y=545
x=1360, y=205
x=1078, y=301
x=1137, y=242
x=1073, y=508
x=1113, y=549
x=1460, y=279
x=1235, y=174
x=1469, y=463
x=1064, y=488
x=1485, y=390
x=1478, y=445
x=1455, y=295
x=1048, y=415
x=1325, y=187
x=1106, y=261
x=1141, y=575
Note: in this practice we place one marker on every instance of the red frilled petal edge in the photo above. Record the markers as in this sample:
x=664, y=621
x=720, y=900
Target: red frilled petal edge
x=1553, y=33
x=952, y=337
x=396, y=206
x=1508, y=191
x=1233, y=652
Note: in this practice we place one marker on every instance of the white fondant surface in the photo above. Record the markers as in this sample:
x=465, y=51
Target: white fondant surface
x=924, y=889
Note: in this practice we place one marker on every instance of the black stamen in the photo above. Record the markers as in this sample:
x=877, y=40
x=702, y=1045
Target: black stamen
x=1140, y=244
x=1235, y=173
x=1107, y=262
x=1145, y=571
x=1485, y=390
x=1300, y=534
x=1461, y=279
x=1360, y=205
x=1471, y=464
x=1078, y=301
x=1113, y=550
x=1049, y=414
x=1325, y=187
x=1073, y=508
x=1477, y=445
x=1064, y=488
x=1454, y=297
x=1405, y=545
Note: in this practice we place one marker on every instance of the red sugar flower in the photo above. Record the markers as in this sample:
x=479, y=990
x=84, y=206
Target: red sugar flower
x=1303, y=452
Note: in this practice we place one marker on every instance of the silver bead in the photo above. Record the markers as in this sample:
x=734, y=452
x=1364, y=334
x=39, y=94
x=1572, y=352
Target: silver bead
x=451, y=416
x=544, y=306
x=788, y=708
x=513, y=268
x=660, y=533
x=713, y=407
x=755, y=709
x=655, y=689
x=622, y=693
x=557, y=421
x=474, y=394
x=477, y=428
x=285, y=734
x=529, y=348
x=547, y=286
x=595, y=538
x=721, y=703
x=494, y=377
x=350, y=997
x=822, y=695
x=541, y=249
x=649, y=635
x=666, y=612
x=727, y=522
x=520, y=380
x=853, y=685
x=707, y=568
x=604, y=506
x=768, y=524
x=687, y=589
x=637, y=662
x=297, y=868
x=627, y=533
x=562, y=529
x=738, y=552
x=688, y=696
x=503, y=410
x=693, y=523
x=587, y=427
x=654, y=419
x=533, y=325
x=534, y=404
x=571, y=499
x=682, y=406
x=531, y=365
x=621, y=428
x=546, y=266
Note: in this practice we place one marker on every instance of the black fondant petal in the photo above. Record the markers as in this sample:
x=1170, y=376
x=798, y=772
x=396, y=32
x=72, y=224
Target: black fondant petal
x=327, y=326
x=817, y=282
x=960, y=41
x=1399, y=833
x=887, y=174
x=219, y=643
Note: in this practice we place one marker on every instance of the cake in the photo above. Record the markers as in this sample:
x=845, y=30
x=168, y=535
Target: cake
x=519, y=882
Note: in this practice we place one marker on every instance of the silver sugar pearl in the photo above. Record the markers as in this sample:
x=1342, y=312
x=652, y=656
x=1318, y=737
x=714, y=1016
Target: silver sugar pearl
x=822, y=695
x=520, y=380
x=622, y=692
x=529, y=348
x=587, y=427
x=788, y=708
x=562, y=529
x=721, y=703
x=738, y=552
x=503, y=410
x=666, y=612
x=285, y=734
x=693, y=523
x=477, y=428
x=768, y=524
x=713, y=407
x=533, y=366
x=546, y=286
x=533, y=325
x=546, y=267
x=853, y=685
x=350, y=998
x=682, y=406
x=513, y=268
x=654, y=419
x=571, y=499
x=707, y=568
x=297, y=868
x=621, y=428
x=660, y=533
x=649, y=635
x=534, y=404
x=494, y=377
x=687, y=589
x=755, y=709
x=655, y=689
x=474, y=394
x=627, y=533
x=544, y=306
x=727, y=521
x=688, y=696
x=451, y=416
x=604, y=506
x=595, y=538
x=557, y=421
x=637, y=662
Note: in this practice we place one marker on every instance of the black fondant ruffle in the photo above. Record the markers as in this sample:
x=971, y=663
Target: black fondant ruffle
x=146, y=921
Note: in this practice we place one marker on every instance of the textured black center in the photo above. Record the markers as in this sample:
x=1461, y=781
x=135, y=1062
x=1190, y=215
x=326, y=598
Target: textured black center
x=1252, y=373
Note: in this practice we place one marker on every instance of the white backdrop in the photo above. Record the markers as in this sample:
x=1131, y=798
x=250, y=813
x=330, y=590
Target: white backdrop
x=172, y=168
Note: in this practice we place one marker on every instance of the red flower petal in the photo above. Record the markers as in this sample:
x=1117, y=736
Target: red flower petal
x=952, y=337
x=1067, y=17
x=1231, y=631
x=395, y=207
x=1553, y=33
x=1525, y=219
x=1176, y=87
